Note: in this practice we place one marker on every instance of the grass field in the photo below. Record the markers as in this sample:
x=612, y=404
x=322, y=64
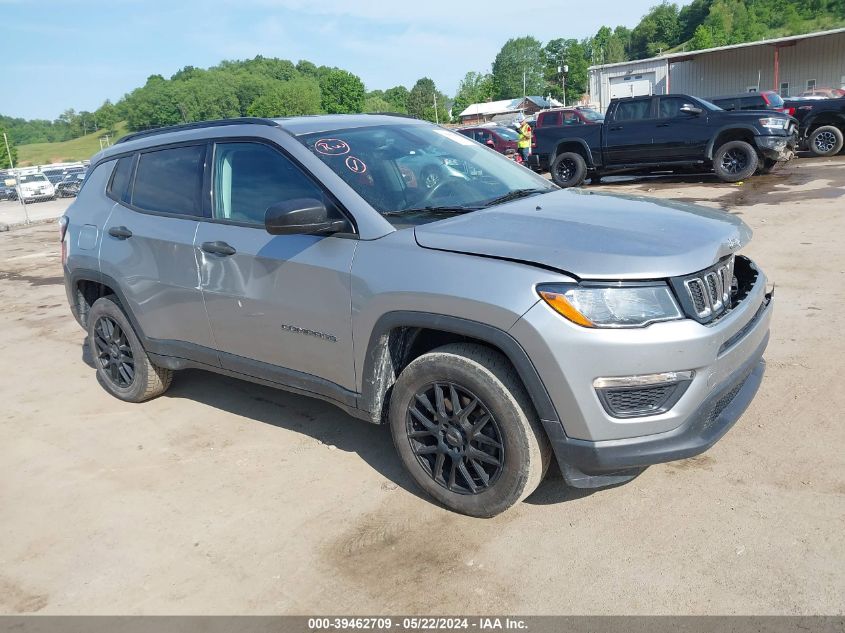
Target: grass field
x=80, y=148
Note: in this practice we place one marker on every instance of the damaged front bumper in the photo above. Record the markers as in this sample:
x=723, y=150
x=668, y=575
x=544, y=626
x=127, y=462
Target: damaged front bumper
x=777, y=148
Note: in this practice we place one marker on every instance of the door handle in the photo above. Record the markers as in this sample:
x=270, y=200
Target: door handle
x=120, y=232
x=615, y=127
x=218, y=248
x=662, y=125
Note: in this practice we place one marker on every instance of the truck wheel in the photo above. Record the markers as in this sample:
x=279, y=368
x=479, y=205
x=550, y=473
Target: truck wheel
x=466, y=431
x=735, y=161
x=123, y=367
x=825, y=141
x=568, y=169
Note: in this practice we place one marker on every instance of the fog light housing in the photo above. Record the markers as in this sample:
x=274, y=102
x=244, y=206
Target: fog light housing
x=642, y=395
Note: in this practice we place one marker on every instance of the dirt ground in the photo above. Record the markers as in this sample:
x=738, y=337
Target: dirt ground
x=227, y=497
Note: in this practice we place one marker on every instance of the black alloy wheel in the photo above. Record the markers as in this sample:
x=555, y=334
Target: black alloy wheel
x=734, y=161
x=455, y=438
x=114, y=353
x=566, y=169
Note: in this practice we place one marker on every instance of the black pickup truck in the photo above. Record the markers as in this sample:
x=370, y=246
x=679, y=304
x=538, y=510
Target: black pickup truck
x=821, y=124
x=675, y=133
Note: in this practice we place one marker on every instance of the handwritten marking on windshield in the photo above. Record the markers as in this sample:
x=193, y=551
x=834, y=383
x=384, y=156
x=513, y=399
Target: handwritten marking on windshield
x=355, y=165
x=331, y=147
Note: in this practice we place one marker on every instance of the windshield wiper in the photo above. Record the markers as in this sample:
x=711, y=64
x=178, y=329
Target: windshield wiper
x=452, y=208
x=516, y=194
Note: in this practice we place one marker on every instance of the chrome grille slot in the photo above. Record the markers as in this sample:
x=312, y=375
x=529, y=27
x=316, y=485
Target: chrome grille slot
x=695, y=287
x=714, y=291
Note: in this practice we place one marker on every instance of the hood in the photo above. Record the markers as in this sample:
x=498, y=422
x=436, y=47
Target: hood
x=594, y=236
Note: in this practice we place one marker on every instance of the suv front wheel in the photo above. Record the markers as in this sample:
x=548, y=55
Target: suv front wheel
x=123, y=367
x=466, y=431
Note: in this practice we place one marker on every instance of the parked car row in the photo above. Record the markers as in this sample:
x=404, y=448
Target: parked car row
x=48, y=184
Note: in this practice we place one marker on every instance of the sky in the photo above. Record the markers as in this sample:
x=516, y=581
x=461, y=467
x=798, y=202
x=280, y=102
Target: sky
x=58, y=55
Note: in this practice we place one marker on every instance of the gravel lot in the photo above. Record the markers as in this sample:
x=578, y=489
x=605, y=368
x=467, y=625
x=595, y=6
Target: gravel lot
x=227, y=497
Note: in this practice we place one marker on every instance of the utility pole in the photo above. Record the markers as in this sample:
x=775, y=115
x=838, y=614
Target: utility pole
x=436, y=117
x=8, y=151
x=17, y=178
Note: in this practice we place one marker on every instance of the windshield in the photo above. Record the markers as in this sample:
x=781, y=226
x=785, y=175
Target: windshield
x=591, y=115
x=33, y=178
x=415, y=173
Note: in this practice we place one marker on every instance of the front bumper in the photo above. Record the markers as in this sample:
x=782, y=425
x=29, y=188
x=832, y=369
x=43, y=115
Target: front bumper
x=726, y=357
x=711, y=420
x=777, y=148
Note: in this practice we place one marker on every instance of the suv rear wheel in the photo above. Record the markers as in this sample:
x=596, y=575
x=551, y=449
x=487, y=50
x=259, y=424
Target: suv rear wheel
x=123, y=367
x=466, y=431
x=735, y=161
x=826, y=141
x=568, y=169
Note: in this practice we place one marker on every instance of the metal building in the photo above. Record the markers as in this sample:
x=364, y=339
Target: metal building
x=789, y=65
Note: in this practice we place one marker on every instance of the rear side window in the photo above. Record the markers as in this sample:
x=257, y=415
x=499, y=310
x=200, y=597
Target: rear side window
x=119, y=185
x=250, y=177
x=549, y=118
x=633, y=110
x=752, y=103
x=170, y=180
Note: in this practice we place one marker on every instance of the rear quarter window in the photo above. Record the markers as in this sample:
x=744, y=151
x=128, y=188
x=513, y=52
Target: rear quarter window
x=118, y=187
x=170, y=180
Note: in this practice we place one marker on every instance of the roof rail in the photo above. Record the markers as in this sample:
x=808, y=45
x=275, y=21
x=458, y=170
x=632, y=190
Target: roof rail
x=196, y=125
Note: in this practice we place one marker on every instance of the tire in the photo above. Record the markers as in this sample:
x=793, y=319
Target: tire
x=825, y=141
x=474, y=372
x=768, y=166
x=110, y=337
x=735, y=161
x=568, y=169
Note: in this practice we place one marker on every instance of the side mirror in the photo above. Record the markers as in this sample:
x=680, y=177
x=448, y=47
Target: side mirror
x=302, y=216
x=691, y=109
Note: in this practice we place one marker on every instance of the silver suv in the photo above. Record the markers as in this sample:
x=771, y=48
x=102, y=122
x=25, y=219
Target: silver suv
x=416, y=278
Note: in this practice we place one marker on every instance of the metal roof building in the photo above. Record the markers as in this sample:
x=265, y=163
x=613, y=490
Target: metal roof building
x=788, y=65
x=488, y=111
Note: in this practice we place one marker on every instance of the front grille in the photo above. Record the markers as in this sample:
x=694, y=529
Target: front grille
x=710, y=293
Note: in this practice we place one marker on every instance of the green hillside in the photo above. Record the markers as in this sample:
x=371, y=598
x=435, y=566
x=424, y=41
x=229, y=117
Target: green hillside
x=81, y=148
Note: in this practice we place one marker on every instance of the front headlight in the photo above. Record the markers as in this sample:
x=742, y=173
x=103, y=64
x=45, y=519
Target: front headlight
x=776, y=123
x=612, y=305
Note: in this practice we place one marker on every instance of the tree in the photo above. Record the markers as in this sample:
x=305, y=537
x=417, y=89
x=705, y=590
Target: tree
x=422, y=99
x=570, y=53
x=397, y=97
x=4, y=153
x=376, y=103
x=474, y=88
x=518, y=69
x=658, y=31
x=306, y=68
x=342, y=92
x=289, y=98
x=106, y=115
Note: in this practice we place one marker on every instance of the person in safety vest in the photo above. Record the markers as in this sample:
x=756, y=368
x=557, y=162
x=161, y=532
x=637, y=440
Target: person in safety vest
x=524, y=142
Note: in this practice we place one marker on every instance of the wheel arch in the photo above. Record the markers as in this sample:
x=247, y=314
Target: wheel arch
x=835, y=119
x=400, y=337
x=89, y=285
x=731, y=133
x=577, y=146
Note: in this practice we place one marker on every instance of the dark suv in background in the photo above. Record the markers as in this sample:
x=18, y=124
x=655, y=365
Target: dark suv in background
x=765, y=100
